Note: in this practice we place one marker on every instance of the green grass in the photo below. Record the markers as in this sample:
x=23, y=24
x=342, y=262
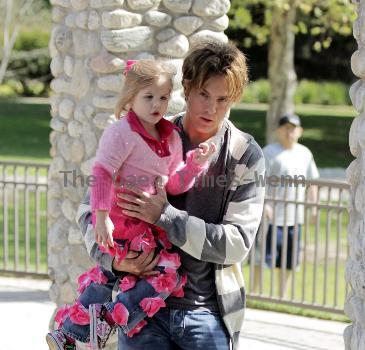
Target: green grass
x=326, y=130
x=24, y=131
x=288, y=309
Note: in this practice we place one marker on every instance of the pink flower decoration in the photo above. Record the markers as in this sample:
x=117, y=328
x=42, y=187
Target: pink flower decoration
x=151, y=305
x=93, y=275
x=164, y=283
x=120, y=314
x=145, y=242
x=132, y=227
x=137, y=328
x=109, y=250
x=79, y=315
x=127, y=282
x=61, y=315
x=178, y=292
x=162, y=237
x=184, y=279
x=171, y=261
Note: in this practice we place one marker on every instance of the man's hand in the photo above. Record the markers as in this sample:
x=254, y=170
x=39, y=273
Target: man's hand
x=138, y=264
x=142, y=205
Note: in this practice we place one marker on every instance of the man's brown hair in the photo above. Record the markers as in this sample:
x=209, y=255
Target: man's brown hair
x=211, y=59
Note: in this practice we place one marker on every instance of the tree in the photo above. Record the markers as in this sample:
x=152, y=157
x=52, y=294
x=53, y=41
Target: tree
x=276, y=22
x=16, y=13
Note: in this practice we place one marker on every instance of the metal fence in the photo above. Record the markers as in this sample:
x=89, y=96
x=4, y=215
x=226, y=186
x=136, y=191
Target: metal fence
x=319, y=246
x=302, y=265
x=23, y=218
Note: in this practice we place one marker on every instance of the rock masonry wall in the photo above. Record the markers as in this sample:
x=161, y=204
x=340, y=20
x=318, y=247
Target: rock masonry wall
x=90, y=43
x=354, y=334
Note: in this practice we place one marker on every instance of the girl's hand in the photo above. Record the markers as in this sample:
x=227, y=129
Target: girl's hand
x=269, y=212
x=104, y=229
x=203, y=152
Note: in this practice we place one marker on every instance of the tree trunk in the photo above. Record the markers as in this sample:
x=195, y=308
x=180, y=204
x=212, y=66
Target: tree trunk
x=13, y=18
x=282, y=76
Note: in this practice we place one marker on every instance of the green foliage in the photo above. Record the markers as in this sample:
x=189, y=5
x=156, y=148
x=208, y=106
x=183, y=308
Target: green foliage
x=6, y=91
x=34, y=88
x=326, y=93
x=308, y=92
x=31, y=69
x=26, y=87
x=320, y=20
x=16, y=86
x=32, y=38
x=257, y=92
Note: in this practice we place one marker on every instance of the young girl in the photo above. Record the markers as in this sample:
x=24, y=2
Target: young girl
x=133, y=151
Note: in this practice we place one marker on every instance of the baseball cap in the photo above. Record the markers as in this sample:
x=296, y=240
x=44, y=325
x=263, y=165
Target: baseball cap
x=291, y=119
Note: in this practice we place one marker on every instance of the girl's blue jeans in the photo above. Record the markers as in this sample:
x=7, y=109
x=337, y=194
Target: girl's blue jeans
x=102, y=294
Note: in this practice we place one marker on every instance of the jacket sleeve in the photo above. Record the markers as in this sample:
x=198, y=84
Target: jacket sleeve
x=228, y=242
x=83, y=218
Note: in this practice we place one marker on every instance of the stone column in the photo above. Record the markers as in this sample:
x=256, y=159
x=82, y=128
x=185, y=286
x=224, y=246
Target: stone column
x=90, y=42
x=354, y=334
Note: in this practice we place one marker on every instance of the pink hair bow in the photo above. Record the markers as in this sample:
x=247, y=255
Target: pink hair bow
x=129, y=65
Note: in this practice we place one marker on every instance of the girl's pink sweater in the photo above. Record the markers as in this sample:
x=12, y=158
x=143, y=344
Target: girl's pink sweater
x=123, y=157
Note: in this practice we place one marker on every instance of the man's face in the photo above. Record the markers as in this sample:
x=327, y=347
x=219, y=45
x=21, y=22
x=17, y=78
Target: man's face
x=206, y=109
x=288, y=134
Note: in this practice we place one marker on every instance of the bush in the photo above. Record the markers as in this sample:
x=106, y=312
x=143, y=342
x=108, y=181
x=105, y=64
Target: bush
x=32, y=38
x=13, y=88
x=336, y=94
x=308, y=92
x=324, y=93
x=257, y=92
x=16, y=86
x=34, y=88
x=7, y=91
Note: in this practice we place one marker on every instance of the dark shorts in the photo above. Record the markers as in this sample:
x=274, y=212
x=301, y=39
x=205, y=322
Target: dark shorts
x=279, y=246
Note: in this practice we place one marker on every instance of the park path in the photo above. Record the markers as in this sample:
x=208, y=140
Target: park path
x=26, y=310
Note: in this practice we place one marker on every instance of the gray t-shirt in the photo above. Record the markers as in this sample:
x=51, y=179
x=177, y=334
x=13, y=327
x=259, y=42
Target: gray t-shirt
x=293, y=163
x=205, y=201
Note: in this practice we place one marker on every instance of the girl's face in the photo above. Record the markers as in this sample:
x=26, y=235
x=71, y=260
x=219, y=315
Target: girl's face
x=150, y=103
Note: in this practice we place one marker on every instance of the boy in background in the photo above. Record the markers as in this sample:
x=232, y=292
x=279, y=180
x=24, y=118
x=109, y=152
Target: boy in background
x=292, y=162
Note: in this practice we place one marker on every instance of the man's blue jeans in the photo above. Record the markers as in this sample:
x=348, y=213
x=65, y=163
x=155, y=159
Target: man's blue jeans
x=172, y=329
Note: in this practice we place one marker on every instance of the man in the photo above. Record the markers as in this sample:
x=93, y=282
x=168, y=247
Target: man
x=213, y=225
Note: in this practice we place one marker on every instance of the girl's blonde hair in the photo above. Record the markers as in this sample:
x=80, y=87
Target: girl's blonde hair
x=140, y=75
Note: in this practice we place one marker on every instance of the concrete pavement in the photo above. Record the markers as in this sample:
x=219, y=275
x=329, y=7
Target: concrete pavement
x=26, y=309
